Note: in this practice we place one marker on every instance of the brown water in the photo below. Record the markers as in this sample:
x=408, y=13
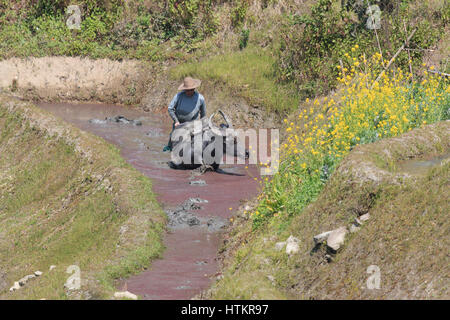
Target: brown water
x=189, y=262
x=422, y=166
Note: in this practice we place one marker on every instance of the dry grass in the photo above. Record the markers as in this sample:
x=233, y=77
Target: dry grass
x=68, y=198
x=406, y=236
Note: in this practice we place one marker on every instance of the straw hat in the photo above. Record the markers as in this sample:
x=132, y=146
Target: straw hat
x=189, y=83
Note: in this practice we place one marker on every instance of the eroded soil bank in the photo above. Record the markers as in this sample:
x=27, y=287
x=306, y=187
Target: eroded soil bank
x=189, y=263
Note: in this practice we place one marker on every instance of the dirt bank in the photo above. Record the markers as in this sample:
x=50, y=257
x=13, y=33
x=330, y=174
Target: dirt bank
x=68, y=198
x=130, y=82
x=189, y=262
x=405, y=236
x=75, y=78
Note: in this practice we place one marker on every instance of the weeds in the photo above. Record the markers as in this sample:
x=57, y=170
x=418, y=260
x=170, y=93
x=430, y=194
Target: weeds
x=364, y=112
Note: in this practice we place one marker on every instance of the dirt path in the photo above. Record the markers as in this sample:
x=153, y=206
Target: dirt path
x=189, y=263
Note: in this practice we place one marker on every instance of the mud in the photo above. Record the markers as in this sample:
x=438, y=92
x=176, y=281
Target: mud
x=116, y=119
x=422, y=166
x=75, y=78
x=183, y=216
x=189, y=263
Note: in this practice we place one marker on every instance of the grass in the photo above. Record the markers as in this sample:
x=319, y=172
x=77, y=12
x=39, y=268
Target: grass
x=59, y=208
x=248, y=74
x=365, y=110
x=405, y=235
x=332, y=138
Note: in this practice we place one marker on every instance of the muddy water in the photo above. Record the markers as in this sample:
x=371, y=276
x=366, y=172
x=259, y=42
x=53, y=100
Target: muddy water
x=422, y=166
x=189, y=262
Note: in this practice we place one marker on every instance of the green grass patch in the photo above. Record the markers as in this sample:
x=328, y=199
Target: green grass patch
x=54, y=210
x=248, y=73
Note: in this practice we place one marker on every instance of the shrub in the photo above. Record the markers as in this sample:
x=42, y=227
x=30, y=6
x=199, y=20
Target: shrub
x=311, y=45
x=243, y=40
x=366, y=111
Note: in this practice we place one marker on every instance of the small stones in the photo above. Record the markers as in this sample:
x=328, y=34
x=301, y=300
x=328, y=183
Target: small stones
x=22, y=282
x=292, y=245
x=125, y=295
x=364, y=217
x=15, y=287
x=321, y=237
x=198, y=183
x=52, y=267
x=25, y=279
x=336, y=238
x=280, y=245
x=220, y=277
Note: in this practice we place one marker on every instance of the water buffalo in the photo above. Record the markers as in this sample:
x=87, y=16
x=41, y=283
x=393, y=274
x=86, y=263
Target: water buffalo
x=202, y=143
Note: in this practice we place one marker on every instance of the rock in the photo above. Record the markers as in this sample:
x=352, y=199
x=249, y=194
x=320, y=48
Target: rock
x=52, y=267
x=321, y=237
x=198, y=183
x=336, y=238
x=15, y=287
x=292, y=248
x=280, y=245
x=125, y=294
x=25, y=279
x=271, y=278
x=364, y=217
x=361, y=219
x=38, y=273
x=292, y=245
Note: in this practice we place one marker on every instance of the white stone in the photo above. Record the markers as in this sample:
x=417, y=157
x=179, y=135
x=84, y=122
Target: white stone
x=364, y=217
x=38, y=273
x=25, y=279
x=125, y=294
x=336, y=238
x=292, y=239
x=52, y=267
x=292, y=248
x=359, y=221
x=280, y=245
x=292, y=245
x=15, y=287
x=321, y=237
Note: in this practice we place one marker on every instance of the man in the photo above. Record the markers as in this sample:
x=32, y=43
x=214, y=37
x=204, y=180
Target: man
x=186, y=105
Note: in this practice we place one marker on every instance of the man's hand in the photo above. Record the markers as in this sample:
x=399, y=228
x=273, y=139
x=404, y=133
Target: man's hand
x=177, y=124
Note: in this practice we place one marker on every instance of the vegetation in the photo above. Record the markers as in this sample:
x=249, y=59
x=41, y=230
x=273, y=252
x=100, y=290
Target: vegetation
x=312, y=44
x=247, y=73
x=113, y=29
x=366, y=110
x=60, y=208
x=405, y=233
x=340, y=86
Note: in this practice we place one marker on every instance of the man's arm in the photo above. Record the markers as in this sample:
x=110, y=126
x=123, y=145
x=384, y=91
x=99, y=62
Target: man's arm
x=172, y=108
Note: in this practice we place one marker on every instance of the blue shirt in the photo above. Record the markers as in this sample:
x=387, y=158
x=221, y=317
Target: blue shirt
x=183, y=108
